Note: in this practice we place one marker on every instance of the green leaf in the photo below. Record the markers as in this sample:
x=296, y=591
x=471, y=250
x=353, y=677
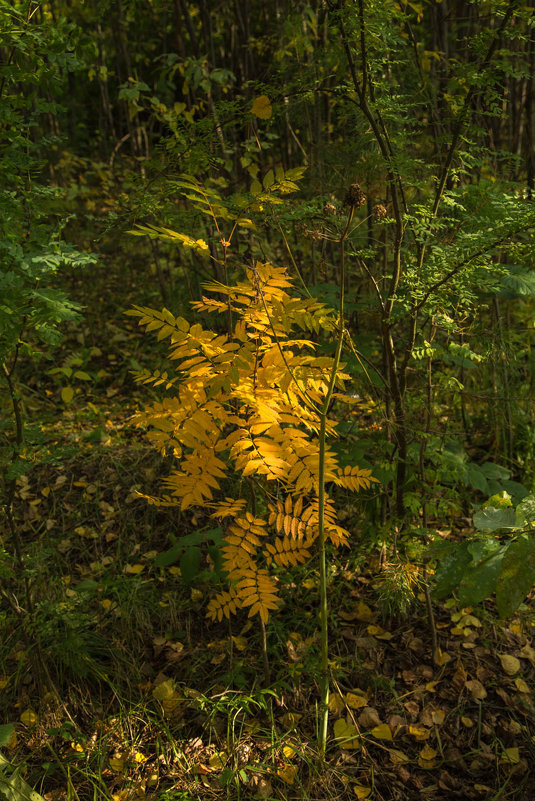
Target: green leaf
x=170, y=556
x=517, y=575
x=492, y=519
x=451, y=569
x=6, y=730
x=479, y=580
x=525, y=511
x=13, y=787
x=190, y=564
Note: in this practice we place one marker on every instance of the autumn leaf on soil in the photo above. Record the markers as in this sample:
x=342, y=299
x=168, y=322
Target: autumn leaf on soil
x=419, y=732
x=356, y=700
x=361, y=791
x=346, y=732
x=437, y=716
x=522, y=686
x=381, y=732
x=29, y=717
x=476, y=688
x=240, y=643
x=262, y=107
x=511, y=755
x=510, y=664
x=398, y=757
x=441, y=657
x=118, y=763
x=287, y=773
x=336, y=704
x=291, y=719
x=218, y=760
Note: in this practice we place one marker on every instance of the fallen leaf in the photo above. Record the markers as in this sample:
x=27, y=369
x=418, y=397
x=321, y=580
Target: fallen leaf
x=381, y=732
x=118, y=763
x=29, y=717
x=369, y=717
x=476, y=689
x=356, y=700
x=437, y=716
x=427, y=752
x=510, y=664
x=218, y=760
x=336, y=703
x=441, y=657
x=522, y=686
x=347, y=734
x=287, y=773
x=291, y=719
x=398, y=757
x=241, y=643
x=419, y=732
x=133, y=570
x=511, y=755
x=361, y=791
x=467, y=722
x=288, y=751
x=527, y=652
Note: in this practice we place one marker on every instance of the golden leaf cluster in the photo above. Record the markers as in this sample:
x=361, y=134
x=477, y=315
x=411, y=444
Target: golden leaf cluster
x=246, y=404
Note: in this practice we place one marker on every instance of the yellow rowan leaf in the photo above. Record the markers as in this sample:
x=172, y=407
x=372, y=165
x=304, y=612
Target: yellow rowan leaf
x=262, y=107
x=381, y=732
x=361, y=791
x=288, y=751
x=240, y=643
x=468, y=722
x=118, y=763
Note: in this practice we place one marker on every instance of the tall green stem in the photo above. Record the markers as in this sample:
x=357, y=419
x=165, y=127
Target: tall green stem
x=324, y=608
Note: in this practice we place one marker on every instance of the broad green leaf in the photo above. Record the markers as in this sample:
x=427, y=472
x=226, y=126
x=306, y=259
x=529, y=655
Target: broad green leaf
x=450, y=570
x=13, y=787
x=525, y=511
x=517, y=575
x=6, y=730
x=492, y=519
x=190, y=564
x=170, y=556
x=479, y=581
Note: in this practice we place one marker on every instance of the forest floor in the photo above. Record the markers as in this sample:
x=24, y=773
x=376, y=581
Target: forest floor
x=121, y=689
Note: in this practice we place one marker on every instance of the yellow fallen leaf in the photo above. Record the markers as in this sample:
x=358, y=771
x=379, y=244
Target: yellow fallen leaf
x=288, y=751
x=522, y=686
x=287, y=773
x=29, y=717
x=117, y=764
x=355, y=700
x=262, y=107
x=441, y=657
x=427, y=752
x=336, y=703
x=4, y=681
x=467, y=722
x=133, y=570
x=45, y=492
x=240, y=643
x=78, y=747
x=398, y=757
x=361, y=791
x=140, y=758
x=364, y=613
x=437, y=716
x=381, y=732
x=510, y=664
x=419, y=732
x=196, y=596
x=218, y=760
x=430, y=686
x=347, y=733
x=164, y=690
x=426, y=764
x=511, y=755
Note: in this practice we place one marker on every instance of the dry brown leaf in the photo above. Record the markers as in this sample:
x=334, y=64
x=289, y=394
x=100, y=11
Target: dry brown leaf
x=369, y=717
x=476, y=689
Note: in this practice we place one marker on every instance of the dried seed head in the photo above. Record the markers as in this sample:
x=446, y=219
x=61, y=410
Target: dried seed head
x=354, y=196
x=329, y=209
x=379, y=211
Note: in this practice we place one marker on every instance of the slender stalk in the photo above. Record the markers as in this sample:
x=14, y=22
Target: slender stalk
x=324, y=607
